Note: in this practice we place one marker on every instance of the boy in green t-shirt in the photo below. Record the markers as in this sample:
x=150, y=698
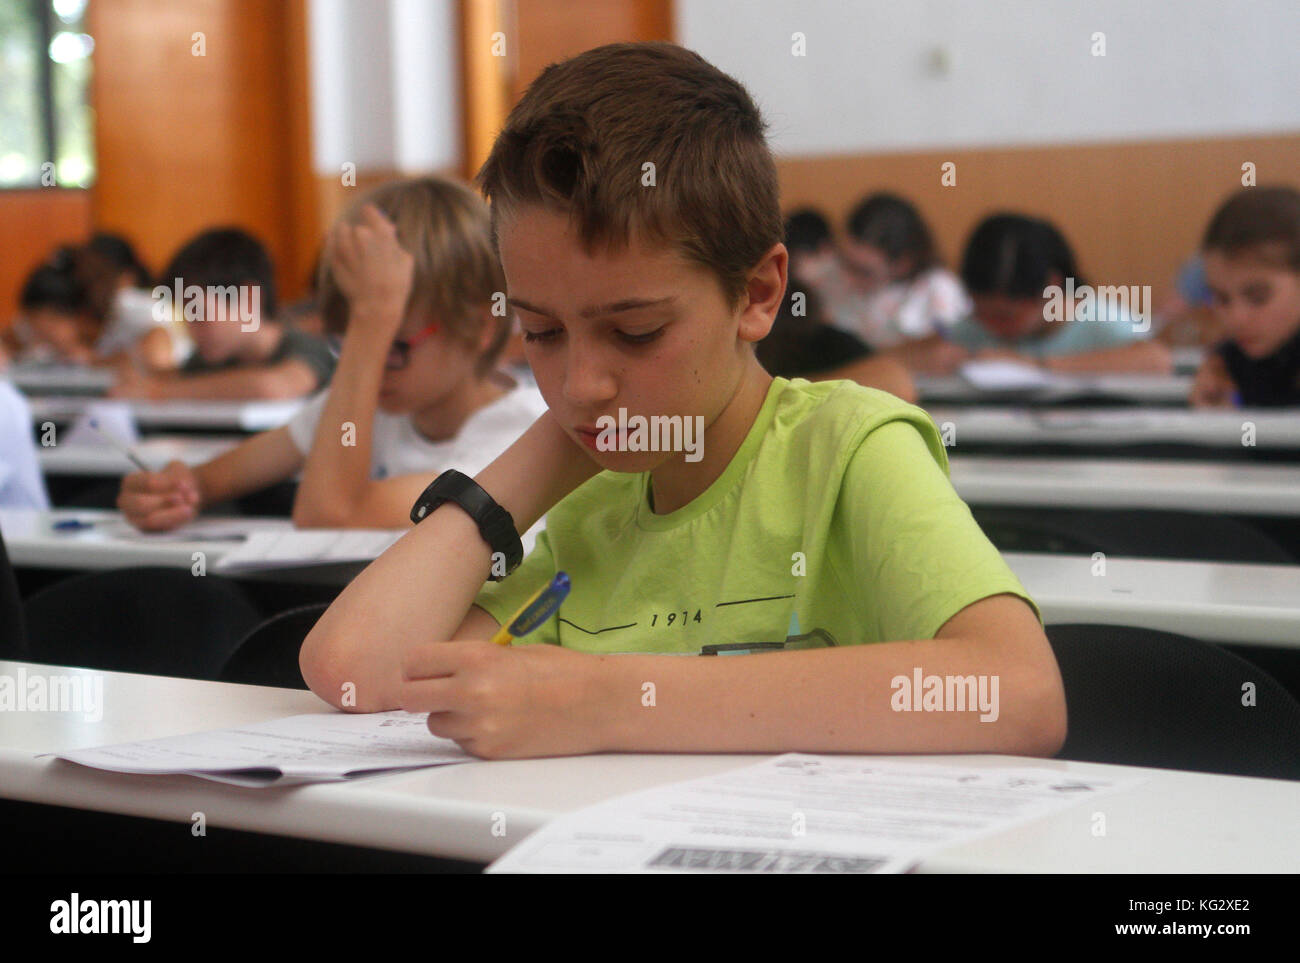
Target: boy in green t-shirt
x=636, y=209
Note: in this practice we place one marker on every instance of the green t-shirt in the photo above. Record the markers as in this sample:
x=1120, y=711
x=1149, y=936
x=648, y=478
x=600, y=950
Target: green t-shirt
x=834, y=524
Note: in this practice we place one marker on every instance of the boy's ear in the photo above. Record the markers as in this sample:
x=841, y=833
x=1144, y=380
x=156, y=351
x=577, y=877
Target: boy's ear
x=764, y=292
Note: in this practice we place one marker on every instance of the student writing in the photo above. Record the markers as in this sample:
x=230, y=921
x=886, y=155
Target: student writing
x=416, y=388
x=820, y=518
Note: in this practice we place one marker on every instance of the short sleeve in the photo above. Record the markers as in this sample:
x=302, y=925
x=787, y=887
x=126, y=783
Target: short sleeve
x=503, y=599
x=946, y=302
x=302, y=426
x=917, y=554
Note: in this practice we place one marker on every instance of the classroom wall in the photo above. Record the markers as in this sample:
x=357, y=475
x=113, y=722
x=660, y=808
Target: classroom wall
x=1133, y=211
x=873, y=75
x=32, y=223
x=188, y=140
x=1155, y=131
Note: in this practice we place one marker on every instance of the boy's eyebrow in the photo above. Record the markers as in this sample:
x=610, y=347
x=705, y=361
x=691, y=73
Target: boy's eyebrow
x=599, y=310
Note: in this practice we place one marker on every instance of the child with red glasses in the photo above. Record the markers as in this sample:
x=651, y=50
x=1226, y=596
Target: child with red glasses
x=411, y=279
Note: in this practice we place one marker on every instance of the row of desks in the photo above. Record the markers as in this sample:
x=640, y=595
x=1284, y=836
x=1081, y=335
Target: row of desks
x=1170, y=822
x=1238, y=603
x=1221, y=487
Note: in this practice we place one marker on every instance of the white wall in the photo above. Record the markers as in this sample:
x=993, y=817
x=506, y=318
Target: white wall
x=1021, y=71
x=384, y=84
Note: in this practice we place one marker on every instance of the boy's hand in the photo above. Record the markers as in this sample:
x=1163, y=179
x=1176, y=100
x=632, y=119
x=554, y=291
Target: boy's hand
x=156, y=501
x=505, y=702
x=133, y=383
x=1004, y=354
x=1213, y=387
x=939, y=358
x=371, y=267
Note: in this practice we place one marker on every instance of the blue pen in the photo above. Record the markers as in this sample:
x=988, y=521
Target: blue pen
x=72, y=525
x=536, y=610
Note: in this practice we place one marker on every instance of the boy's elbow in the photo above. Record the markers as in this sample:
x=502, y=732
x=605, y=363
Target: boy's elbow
x=319, y=669
x=1043, y=723
x=328, y=673
x=309, y=514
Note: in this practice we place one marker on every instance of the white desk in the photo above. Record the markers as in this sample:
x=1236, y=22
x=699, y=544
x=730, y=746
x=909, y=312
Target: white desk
x=155, y=451
x=1226, y=488
x=1106, y=427
x=1139, y=389
x=1214, y=601
x=200, y=415
x=60, y=379
x=1176, y=822
x=31, y=541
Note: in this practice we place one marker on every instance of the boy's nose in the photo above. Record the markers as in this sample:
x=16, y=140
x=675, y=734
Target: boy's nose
x=587, y=379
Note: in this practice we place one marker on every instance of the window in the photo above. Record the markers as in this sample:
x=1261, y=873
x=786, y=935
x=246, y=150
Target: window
x=46, y=123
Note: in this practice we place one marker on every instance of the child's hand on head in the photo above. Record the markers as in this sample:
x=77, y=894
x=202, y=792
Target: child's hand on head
x=370, y=265
x=155, y=501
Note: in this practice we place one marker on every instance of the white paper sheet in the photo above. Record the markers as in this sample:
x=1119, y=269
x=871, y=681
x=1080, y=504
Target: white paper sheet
x=318, y=747
x=1007, y=376
x=800, y=814
x=293, y=547
x=113, y=417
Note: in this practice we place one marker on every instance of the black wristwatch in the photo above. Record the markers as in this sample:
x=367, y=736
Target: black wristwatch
x=494, y=522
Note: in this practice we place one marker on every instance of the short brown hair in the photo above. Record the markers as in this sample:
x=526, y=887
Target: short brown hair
x=577, y=141
x=444, y=225
x=1262, y=222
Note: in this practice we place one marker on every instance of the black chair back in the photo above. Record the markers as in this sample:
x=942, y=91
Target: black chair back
x=158, y=621
x=1140, y=697
x=268, y=655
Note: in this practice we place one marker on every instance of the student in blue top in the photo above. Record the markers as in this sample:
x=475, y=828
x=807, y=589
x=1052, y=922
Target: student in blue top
x=1032, y=306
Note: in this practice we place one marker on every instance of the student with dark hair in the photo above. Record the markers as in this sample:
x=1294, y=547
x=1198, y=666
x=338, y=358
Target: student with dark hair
x=1033, y=306
x=57, y=321
x=802, y=344
x=890, y=287
x=1251, y=251
x=119, y=254
x=222, y=286
x=79, y=308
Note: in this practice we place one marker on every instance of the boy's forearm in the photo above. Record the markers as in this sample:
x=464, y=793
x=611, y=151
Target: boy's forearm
x=420, y=590
x=831, y=700
x=1143, y=357
x=535, y=472
x=247, y=385
x=335, y=474
x=263, y=460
